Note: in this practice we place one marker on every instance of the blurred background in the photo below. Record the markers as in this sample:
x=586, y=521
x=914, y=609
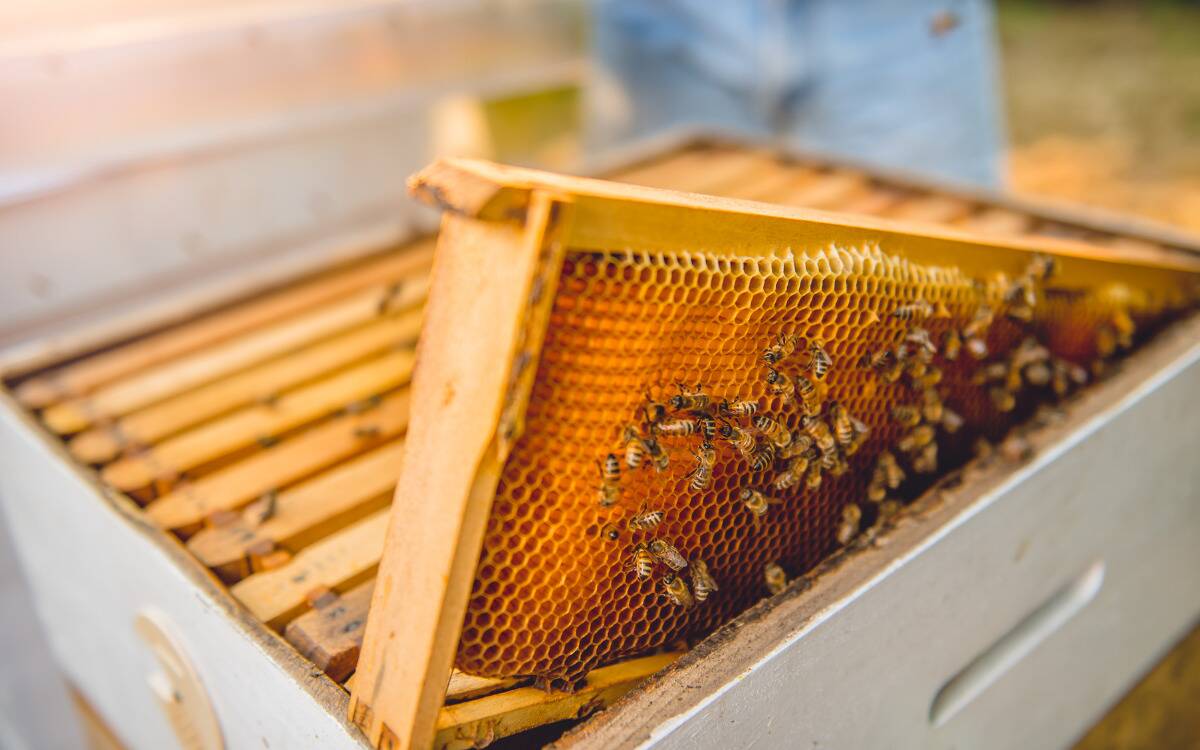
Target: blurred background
x=154, y=148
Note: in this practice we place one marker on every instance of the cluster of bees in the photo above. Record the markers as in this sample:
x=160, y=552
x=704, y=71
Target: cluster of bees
x=827, y=435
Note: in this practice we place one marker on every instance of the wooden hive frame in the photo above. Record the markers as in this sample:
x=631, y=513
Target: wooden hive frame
x=502, y=243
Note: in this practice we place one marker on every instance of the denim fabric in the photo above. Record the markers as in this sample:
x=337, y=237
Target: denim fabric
x=875, y=80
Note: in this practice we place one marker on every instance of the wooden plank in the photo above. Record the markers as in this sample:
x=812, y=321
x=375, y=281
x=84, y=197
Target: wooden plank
x=261, y=383
x=291, y=460
x=827, y=191
x=86, y=375
x=997, y=221
x=940, y=209
x=330, y=635
x=177, y=375
x=336, y=562
x=681, y=171
x=494, y=284
x=303, y=512
x=610, y=215
x=463, y=686
x=475, y=723
x=242, y=428
x=779, y=179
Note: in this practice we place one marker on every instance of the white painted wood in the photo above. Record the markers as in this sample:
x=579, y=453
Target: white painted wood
x=93, y=567
x=191, y=146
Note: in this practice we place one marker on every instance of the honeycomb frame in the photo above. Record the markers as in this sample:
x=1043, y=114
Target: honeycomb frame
x=567, y=244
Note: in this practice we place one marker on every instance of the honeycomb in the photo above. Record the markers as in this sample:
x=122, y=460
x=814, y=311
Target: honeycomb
x=555, y=596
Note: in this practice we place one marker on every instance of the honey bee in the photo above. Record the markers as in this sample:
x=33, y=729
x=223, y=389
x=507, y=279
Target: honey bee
x=918, y=309
x=784, y=345
x=757, y=502
x=775, y=578
x=610, y=477
x=676, y=589
x=801, y=443
x=1106, y=341
x=951, y=345
x=925, y=462
x=952, y=421
x=689, y=400
x=982, y=448
x=1028, y=352
x=932, y=377
x=1022, y=293
x=742, y=440
x=763, y=457
x=1124, y=327
x=860, y=433
x=888, y=471
x=702, y=582
x=917, y=439
x=876, y=492
x=980, y=323
x=773, y=431
x=666, y=554
x=642, y=562
x=1021, y=312
x=700, y=476
x=635, y=448
x=645, y=520
x=810, y=395
x=658, y=456
x=737, y=408
x=989, y=372
x=918, y=338
x=1015, y=449
x=1002, y=398
x=653, y=412
x=1042, y=266
x=916, y=369
x=1038, y=374
x=812, y=480
x=906, y=414
x=677, y=427
x=791, y=476
x=820, y=434
x=708, y=428
x=819, y=360
x=931, y=406
x=875, y=360
x=780, y=385
x=976, y=347
x=843, y=428
x=848, y=528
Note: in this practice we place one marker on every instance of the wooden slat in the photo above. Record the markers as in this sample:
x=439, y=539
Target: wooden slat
x=778, y=179
x=940, y=209
x=827, y=191
x=677, y=172
x=463, y=686
x=175, y=376
x=261, y=383
x=336, y=562
x=292, y=459
x=305, y=511
x=82, y=377
x=997, y=221
x=475, y=723
x=243, y=427
x=482, y=289
x=331, y=634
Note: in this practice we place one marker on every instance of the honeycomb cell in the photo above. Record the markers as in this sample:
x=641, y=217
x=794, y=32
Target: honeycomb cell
x=554, y=597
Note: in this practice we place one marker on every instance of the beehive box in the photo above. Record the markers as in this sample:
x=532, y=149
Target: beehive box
x=244, y=461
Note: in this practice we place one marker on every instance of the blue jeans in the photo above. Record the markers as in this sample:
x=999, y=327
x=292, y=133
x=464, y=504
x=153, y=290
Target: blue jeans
x=908, y=84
